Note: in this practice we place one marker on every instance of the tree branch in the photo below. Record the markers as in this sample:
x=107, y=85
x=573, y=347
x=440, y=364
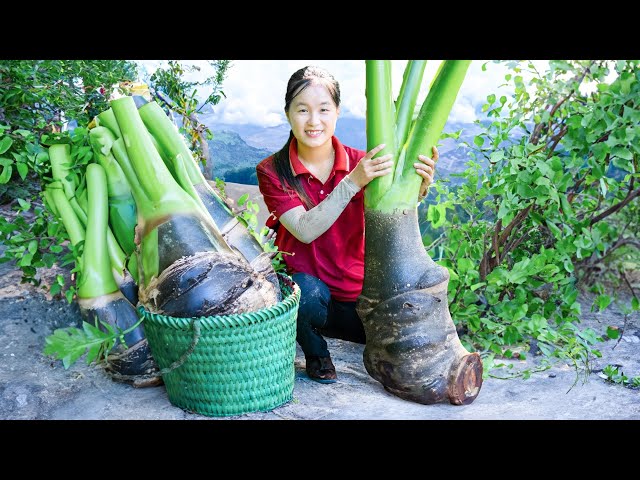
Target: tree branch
x=556, y=139
x=496, y=246
x=513, y=243
x=535, y=137
x=618, y=206
x=517, y=220
x=489, y=260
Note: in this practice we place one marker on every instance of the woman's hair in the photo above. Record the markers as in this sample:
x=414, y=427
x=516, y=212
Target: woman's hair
x=300, y=80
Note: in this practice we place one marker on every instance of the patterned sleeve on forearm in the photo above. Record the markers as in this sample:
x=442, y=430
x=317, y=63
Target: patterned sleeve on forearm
x=306, y=226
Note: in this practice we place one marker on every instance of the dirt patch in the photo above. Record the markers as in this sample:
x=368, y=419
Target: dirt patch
x=33, y=386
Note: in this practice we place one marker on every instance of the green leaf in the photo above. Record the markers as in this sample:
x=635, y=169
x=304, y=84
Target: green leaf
x=544, y=168
x=55, y=289
x=437, y=215
x=511, y=335
x=25, y=261
x=243, y=199
x=554, y=229
x=549, y=270
x=546, y=349
x=251, y=219
x=465, y=264
x=24, y=204
x=478, y=140
x=635, y=303
x=23, y=169
x=524, y=190
x=5, y=144
x=589, y=335
x=5, y=176
x=504, y=209
x=603, y=187
x=567, y=211
x=455, y=135
x=603, y=301
x=613, y=332
x=556, y=164
x=469, y=298
x=617, y=151
x=622, y=164
x=496, y=156
x=70, y=343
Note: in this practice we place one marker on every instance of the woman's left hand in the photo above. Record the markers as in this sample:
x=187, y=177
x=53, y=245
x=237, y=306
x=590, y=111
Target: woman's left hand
x=426, y=168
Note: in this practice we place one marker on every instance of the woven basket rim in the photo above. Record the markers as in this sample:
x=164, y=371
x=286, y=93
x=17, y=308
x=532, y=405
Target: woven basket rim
x=232, y=320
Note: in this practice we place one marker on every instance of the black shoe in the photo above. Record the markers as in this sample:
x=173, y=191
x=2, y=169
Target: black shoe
x=321, y=369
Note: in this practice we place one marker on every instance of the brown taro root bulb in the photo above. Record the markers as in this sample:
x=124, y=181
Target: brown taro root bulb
x=412, y=346
x=209, y=283
x=196, y=280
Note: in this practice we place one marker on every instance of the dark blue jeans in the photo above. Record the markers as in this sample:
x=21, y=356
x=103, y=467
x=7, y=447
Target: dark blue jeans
x=319, y=314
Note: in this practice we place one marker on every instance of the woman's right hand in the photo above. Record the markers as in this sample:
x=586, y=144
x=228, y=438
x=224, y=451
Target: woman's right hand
x=369, y=168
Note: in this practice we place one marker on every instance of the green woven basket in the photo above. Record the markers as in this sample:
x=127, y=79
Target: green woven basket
x=234, y=364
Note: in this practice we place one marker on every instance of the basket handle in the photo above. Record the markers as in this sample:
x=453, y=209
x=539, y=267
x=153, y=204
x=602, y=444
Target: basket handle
x=195, y=323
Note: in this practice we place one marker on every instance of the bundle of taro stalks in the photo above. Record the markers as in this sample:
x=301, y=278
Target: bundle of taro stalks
x=151, y=232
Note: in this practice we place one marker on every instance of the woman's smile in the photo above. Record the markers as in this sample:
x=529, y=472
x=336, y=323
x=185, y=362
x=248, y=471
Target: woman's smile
x=314, y=133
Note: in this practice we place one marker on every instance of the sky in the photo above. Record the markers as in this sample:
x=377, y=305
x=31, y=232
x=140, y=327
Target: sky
x=255, y=89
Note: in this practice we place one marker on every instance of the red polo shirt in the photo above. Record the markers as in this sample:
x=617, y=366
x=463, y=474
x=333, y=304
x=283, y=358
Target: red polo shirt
x=337, y=256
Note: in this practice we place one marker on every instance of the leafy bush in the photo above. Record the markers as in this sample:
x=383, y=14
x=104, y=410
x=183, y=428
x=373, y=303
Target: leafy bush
x=37, y=100
x=549, y=203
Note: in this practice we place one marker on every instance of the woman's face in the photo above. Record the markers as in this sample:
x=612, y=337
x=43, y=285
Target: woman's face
x=313, y=116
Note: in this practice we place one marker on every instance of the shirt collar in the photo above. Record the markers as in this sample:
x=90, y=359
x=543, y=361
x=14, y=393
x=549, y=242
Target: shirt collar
x=341, y=161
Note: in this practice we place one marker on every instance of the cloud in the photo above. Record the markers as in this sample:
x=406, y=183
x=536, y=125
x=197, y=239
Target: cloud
x=255, y=89
x=463, y=111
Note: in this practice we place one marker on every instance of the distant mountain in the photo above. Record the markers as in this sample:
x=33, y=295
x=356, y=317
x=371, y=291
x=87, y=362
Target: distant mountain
x=236, y=149
x=233, y=160
x=350, y=131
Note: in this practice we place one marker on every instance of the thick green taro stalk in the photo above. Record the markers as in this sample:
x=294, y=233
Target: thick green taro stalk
x=412, y=346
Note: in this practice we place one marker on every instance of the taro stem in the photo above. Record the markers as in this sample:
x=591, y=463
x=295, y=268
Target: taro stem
x=98, y=293
x=122, y=207
x=61, y=171
x=99, y=297
x=191, y=179
x=125, y=272
x=60, y=158
x=186, y=228
x=107, y=119
x=412, y=347
x=197, y=274
x=146, y=257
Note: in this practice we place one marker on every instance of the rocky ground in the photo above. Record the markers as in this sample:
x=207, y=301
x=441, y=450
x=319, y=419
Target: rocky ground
x=36, y=387
x=33, y=386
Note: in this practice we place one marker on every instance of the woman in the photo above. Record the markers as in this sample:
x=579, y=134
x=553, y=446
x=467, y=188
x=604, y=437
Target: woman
x=313, y=189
